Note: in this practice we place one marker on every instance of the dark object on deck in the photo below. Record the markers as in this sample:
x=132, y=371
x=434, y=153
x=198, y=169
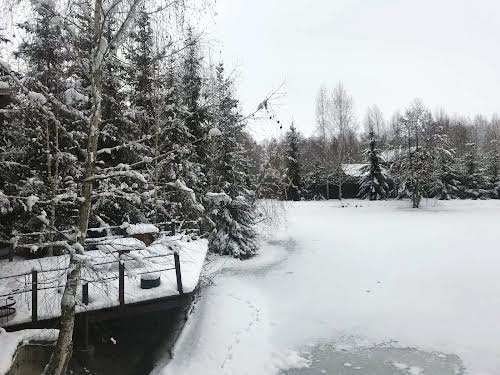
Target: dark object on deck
x=147, y=238
x=85, y=354
x=34, y=295
x=149, y=281
x=7, y=308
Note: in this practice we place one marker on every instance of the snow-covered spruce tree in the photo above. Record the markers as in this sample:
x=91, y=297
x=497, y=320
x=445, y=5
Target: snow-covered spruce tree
x=492, y=168
x=190, y=127
x=274, y=183
x=195, y=115
x=45, y=153
x=293, y=167
x=373, y=184
x=444, y=182
x=230, y=196
x=142, y=72
x=173, y=141
x=234, y=220
x=127, y=123
x=314, y=181
x=472, y=171
x=84, y=143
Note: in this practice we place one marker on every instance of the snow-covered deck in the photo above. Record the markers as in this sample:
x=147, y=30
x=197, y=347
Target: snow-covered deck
x=102, y=277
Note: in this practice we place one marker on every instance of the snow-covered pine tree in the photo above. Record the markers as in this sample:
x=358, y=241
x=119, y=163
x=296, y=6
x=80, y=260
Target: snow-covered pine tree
x=230, y=196
x=126, y=129
x=192, y=85
x=143, y=72
x=314, y=181
x=91, y=59
x=492, y=169
x=472, y=171
x=189, y=125
x=293, y=167
x=273, y=171
x=374, y=183
x=444, y=182
x=42, y=154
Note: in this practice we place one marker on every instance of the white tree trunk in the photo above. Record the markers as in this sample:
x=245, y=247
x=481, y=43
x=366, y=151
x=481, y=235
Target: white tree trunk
x=59, y=360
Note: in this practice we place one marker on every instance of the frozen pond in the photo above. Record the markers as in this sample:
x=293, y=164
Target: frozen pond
x=327, y=359
x=354, y=283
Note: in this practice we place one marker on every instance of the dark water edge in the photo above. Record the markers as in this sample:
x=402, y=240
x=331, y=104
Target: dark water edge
x=136, y=347
x=379, y=360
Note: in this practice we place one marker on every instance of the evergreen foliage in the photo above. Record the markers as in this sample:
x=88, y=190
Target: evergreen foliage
x=293, y=167
x=373, y=184
x=233, y=216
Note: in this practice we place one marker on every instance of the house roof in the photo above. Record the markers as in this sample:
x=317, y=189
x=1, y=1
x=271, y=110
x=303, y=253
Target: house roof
x=354, y=169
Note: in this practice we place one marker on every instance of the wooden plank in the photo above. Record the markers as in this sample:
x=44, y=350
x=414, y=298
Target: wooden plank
x=140, y=308
x=115, y=312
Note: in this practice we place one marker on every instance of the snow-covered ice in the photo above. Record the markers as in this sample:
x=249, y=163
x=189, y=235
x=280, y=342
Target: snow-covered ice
x=431, y=273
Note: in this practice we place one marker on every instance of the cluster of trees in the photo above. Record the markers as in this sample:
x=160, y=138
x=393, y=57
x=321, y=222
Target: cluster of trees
x=415, y=154
x=116, y=117
x=113, y=122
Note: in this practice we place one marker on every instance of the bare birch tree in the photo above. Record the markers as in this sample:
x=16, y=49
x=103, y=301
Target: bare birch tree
x=343, y=125
x=374, y=123
x=324, y=129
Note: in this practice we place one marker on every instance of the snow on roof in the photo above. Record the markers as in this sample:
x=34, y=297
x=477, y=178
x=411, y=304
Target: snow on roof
x=142, y=228
x=353, y=170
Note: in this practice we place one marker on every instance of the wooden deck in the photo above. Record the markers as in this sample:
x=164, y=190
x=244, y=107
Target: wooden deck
x=109, y=294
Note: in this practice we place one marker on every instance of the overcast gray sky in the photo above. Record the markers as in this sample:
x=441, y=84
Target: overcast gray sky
x=386, y=52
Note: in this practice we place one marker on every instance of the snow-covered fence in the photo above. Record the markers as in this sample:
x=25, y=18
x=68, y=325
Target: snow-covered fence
x=30, y=242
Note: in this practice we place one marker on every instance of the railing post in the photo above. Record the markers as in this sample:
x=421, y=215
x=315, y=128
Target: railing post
x=11, y=252
x=178, y=272
x=34, y=295
x=121, y=279
x=85, y=300
x=172, y=228
x=85, y=294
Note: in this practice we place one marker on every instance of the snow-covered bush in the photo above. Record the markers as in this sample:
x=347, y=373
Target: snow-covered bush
x=234, y=232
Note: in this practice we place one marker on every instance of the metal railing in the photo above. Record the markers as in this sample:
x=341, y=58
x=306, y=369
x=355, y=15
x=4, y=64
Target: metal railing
x=121, y=259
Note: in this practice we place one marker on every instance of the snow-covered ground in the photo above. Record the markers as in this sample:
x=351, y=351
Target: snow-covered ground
x=369, y=275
